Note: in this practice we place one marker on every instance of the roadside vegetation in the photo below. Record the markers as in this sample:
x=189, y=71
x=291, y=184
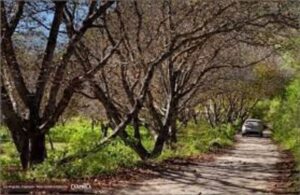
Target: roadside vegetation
x=282, y=114
x=77, y=134
x=285, y=115
x=282, y=111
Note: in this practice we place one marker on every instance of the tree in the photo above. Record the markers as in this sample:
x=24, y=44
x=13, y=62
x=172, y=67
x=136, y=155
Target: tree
x=45, y=101
x=234, y=98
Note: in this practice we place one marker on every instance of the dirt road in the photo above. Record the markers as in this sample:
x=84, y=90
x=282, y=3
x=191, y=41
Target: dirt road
x=251, y=167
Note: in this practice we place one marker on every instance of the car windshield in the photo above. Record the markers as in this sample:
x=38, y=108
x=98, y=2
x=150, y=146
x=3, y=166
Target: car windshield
x=253, y=123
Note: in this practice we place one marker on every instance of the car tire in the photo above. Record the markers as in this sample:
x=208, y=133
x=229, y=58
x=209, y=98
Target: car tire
x=261, y=135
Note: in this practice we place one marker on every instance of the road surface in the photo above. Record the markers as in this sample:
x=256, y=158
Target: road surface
x=250, y=167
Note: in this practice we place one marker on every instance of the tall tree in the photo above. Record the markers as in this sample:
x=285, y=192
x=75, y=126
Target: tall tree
x=44, y=101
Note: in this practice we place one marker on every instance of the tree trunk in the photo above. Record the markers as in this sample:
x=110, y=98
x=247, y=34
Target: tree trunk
x=136, y=127
x=37, y=148
x=33, y=150
x=141, y=151
x=173, y=136
x=24, y=153
x=160, y=142
x=51, y=142
x=158, y=147
x=104, y=128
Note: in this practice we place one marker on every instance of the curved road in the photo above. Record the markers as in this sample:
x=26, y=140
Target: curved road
x=251, y=167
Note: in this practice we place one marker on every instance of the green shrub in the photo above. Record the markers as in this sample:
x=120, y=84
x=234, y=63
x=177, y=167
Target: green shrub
x=77, y=135
x=200, y=138
x=4, y=134
x=261, y=109
x=284, y=113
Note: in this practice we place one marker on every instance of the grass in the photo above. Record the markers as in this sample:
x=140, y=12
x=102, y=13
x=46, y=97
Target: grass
x=200, y=138
x=77, y=135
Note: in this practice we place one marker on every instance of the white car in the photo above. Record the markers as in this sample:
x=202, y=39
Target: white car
x=253, y=126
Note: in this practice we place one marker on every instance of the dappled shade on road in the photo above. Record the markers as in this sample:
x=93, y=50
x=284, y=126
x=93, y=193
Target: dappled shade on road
x=250, y=167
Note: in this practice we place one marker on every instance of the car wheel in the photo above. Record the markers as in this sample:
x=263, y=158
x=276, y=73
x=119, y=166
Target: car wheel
x=261, y=135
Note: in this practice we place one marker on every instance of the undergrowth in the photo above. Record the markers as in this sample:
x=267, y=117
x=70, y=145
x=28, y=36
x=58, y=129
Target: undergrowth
x=78, y=135
x=285, y=116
